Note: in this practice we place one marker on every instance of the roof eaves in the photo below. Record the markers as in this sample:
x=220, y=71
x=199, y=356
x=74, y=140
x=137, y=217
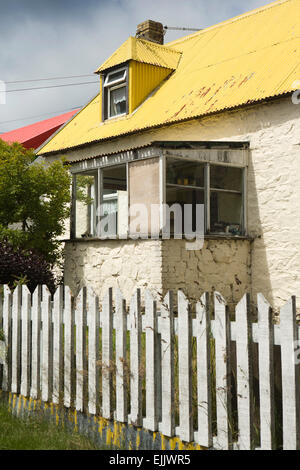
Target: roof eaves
x=170, y=123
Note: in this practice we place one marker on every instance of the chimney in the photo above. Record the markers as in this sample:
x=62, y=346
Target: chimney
x=151, y=31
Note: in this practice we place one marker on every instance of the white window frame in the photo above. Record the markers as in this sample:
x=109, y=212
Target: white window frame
x=114, y=85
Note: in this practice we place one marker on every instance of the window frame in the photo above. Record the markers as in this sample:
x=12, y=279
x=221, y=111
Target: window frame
x=108, y=87
x=207, y=191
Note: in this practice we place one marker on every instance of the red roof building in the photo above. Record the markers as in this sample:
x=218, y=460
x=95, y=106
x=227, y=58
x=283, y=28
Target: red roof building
x=36, y=134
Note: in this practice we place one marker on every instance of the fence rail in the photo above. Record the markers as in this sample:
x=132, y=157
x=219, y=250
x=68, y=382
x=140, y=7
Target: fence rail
x=191, y=373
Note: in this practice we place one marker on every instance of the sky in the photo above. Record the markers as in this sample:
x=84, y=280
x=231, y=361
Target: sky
x=60, y=38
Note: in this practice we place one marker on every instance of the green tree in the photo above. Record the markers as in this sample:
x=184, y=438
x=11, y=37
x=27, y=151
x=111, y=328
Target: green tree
x=34, y=201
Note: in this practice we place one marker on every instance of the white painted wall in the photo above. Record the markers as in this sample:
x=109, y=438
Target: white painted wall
x=273, y=130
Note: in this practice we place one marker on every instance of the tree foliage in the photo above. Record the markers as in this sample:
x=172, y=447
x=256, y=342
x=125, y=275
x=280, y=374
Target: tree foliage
x=34, y=201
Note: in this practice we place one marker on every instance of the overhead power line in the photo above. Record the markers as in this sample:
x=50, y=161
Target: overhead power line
x=40, y=115
x=49, y=79
x=50, y=86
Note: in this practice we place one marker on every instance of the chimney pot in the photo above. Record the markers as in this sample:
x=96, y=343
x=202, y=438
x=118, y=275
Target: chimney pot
x=151, y=31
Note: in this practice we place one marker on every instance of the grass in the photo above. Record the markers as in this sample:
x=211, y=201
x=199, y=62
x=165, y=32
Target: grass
x=35, y=433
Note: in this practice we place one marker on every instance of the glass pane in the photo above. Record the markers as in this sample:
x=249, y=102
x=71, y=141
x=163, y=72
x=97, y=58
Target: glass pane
x=114, y=202
x=224, y=177
x=182, y=197
x=115, y=76
x=85, y=205
x=226, y=213
x=118, y=101
x=185, y=172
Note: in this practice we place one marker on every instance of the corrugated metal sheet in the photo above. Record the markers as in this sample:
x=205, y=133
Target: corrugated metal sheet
x=248, y=59
x=145, y=52
x=143, y=79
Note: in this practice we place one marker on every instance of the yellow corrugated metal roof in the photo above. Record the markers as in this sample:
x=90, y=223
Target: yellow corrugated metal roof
x=143, y=51
x=247, y=59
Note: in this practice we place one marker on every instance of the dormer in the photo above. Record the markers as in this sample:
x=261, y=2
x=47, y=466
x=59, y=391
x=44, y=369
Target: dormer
x=134, y=71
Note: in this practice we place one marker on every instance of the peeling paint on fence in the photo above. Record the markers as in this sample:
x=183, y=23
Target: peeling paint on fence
x=99, y=430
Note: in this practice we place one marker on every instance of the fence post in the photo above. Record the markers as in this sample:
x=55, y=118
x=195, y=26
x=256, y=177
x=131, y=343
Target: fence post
x=185, y=430
x=107, y=354
x=25, y=353
x=57, y=344
x=36, y=343
x=266, y=373
x=135, y=417
x=290, y=376
x=204, y=405
x=81, y=359
x=223, y=371
x=244, y=373
x=167, y=425
x=69, y=325
x=6, y=381
x=151, y=420
x=121, y=366
x=93, y=318
x=16, y=340
x=47, y=365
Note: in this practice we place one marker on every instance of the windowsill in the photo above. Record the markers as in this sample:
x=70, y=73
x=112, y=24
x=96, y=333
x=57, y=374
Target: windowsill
x=212, y=236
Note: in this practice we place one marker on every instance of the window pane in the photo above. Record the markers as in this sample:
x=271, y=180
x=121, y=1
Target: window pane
x=224, y=177
x=182, y=197
x=118, y=101
x=226, y=213
x=114, y=201
x=185, y=172
x=85, y=205
x=115, y=76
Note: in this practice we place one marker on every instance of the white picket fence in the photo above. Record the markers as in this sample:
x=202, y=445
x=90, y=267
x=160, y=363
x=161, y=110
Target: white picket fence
x=65, y=350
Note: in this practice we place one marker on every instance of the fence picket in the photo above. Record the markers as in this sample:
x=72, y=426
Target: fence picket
x=93, y=319
x=16, y=340
x=36, y=343
x=290, y=376
x=26, y=341
x=69, y=323
x=151, y=420
x=244, y=373
x=57, y=344
x=6, y=380
x=107, y=354
x=81, y=360
x=167, y=424
x=135, y=416
x=204, y=405
x=47, y=363
x=223, y=371
x=266, y=373
x=185, y=430
x=121, y=367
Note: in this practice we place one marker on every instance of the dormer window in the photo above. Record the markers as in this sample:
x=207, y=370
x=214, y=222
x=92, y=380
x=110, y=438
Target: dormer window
x=115, y=93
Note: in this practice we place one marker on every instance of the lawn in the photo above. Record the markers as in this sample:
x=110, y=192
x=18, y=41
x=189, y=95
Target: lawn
x=37, y=434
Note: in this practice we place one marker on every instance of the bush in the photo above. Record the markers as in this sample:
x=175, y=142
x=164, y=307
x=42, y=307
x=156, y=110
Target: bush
x=25, y=267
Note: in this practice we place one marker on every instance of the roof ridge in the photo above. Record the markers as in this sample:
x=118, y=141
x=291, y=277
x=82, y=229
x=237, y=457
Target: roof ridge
x=229, y=21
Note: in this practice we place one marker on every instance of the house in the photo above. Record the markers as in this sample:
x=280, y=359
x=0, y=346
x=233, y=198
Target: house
x=34, y=135
x=210, y=119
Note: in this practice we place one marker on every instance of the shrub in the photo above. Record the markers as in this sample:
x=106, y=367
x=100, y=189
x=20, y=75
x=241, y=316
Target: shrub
x=25, y=267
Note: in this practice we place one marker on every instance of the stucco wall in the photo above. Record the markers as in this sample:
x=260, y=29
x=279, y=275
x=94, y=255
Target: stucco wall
x=223, y=265
x=273, y=130
x=126, y=264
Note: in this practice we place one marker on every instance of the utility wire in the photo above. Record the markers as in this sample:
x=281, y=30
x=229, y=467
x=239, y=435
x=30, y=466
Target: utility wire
x=51, y=86
x=49, y=79
x=40, y=115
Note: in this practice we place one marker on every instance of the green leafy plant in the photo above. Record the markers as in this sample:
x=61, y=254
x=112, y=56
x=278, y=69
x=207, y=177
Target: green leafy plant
x=34, y=201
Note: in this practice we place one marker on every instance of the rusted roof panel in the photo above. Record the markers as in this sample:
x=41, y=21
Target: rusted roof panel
x=242, y=61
